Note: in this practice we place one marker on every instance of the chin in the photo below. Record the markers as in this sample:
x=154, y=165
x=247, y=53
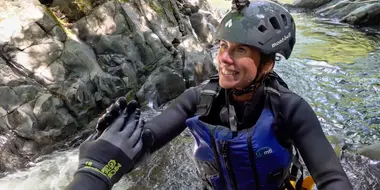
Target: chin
x=225, y=84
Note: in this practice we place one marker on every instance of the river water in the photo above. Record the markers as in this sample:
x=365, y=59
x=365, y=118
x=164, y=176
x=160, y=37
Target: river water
x=334, y=67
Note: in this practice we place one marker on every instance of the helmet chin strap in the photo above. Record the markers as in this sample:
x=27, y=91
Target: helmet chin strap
x=255, y=83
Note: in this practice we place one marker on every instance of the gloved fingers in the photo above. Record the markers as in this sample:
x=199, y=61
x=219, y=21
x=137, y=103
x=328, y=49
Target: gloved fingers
x=116, y=126
x=147, y=137
x=101, y=125
x=90, y=138
x=112, y=112
x=128, y=130
x=138, y=146
x=121, y=103
x=136, y=136
x=132, y=106
x=133, y=116
x=136, y=114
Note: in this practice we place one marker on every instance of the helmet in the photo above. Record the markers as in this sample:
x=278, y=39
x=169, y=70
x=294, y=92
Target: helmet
x=265, y=25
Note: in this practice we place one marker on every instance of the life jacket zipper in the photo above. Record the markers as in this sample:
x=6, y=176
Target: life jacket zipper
x=217, y=158
x=252, y=161
x=225, y=154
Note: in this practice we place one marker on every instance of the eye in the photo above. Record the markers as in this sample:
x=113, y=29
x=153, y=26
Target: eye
x=240, y=50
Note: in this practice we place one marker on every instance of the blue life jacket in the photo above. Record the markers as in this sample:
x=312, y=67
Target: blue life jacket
x=251, y=158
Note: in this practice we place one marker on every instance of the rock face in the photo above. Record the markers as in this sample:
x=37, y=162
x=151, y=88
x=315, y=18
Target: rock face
x=355, y=12
x=310, y=4
x=61, y=66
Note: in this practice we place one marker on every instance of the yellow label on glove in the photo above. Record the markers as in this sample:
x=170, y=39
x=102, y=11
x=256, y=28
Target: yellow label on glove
x=111, y=168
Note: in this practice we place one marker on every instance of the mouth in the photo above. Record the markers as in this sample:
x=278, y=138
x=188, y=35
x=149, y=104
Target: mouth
x=229, y=72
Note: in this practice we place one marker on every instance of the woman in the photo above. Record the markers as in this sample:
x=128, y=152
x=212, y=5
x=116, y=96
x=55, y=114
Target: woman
x=245, y=121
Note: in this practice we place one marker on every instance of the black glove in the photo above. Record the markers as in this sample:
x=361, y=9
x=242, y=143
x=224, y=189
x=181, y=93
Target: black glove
x=114, y=152
x=113, y=112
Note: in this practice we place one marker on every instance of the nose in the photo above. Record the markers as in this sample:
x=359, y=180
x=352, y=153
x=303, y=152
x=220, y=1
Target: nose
x=225, y=57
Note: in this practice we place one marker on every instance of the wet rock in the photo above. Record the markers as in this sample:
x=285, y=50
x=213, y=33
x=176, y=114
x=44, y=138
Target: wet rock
x=8, y=77
x=356, y=12
x=159, y=87
x=372, y=151
x=362, y=172
x=61, y=66
x=197, y=60
x=368, y=14
x=201, y=28
x=337, y=9
x=10, y=159
x=337, y=142
x=310, y=4
x=58, y=33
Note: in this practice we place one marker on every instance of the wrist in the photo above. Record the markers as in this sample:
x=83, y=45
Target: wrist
x=108, y=162
x=95, y=169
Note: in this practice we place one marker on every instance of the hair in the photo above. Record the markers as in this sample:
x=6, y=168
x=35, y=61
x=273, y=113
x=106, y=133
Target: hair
x=266, y=57
x=238, y=5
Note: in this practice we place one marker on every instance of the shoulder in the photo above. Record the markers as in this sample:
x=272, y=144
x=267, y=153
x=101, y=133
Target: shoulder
x=193, y=93
x=292, y=104
x=294, y=108
x=289, y=97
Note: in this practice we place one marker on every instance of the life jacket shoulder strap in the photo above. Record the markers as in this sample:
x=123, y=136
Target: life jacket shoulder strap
x=208, y=94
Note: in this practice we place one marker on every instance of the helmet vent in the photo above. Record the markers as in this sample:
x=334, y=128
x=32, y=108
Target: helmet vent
x=275, y=23
x=262, y=28
x=284, y=20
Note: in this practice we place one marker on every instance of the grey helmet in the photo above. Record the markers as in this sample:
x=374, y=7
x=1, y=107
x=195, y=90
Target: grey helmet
x=265, y=25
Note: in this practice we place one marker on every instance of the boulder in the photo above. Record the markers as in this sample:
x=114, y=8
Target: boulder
x=367, y=14
x=159, y=88
x=309, y=4
x=62, y=64
x=371, y=151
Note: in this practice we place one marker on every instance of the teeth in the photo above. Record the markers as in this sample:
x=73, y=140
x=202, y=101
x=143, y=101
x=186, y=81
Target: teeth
x=229, y=72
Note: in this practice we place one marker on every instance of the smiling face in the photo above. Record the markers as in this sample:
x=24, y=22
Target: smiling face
x=238, y=65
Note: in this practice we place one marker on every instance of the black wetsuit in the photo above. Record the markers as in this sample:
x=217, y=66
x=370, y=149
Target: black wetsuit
x=304, y=130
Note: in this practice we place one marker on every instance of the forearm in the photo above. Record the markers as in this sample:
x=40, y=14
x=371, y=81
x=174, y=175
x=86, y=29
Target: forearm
x=171, y=122
x=86, y=181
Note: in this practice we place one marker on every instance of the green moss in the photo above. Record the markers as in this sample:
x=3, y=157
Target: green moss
x=61, y=23
x=84, y=5
x=239, y=17
x=157, y=8
x=149, y=68
x=131, y=94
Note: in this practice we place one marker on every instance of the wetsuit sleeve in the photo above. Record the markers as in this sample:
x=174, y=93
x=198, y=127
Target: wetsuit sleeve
x=171, y=122
x=85, y=181
x=316, y=151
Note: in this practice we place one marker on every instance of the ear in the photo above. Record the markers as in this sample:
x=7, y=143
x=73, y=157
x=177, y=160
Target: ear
x=268, y=66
